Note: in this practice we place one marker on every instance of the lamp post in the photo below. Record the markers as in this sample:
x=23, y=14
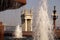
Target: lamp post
x=54, y=15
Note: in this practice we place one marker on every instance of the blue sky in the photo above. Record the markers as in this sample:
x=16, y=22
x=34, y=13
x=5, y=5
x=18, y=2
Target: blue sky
x=12, y=17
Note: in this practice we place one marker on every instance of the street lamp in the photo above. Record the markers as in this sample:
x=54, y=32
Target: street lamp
x=55, y=16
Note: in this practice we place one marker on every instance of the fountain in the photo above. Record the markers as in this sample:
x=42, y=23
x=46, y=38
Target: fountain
x=43, y=29
x=18, y=33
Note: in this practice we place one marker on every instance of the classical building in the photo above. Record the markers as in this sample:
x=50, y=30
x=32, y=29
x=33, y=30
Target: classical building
x=26, y=20
x=26, y=24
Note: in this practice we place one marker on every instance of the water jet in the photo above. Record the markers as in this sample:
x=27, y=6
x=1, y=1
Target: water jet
x=18, y=33
x=43, y=28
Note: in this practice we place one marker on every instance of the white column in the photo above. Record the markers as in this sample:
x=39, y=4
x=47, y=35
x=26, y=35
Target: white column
x=31, y=24
x=25, y=24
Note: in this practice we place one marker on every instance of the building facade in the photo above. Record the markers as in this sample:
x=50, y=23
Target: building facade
x=26, y=24
x=26, y=20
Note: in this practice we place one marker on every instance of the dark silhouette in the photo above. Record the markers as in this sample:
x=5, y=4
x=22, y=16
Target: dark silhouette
x=11, y=4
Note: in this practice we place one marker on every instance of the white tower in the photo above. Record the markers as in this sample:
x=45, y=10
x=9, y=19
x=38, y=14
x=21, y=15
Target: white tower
x=26, y=20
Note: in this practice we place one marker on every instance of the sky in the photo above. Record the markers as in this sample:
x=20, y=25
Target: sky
x=13, y=17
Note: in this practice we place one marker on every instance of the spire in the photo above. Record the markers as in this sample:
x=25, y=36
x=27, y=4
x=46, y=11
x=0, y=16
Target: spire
x=54, y=11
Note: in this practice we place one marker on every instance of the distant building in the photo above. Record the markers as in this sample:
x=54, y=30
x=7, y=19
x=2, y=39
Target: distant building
x=26, y=24
x=9, y=28
x=26, y=21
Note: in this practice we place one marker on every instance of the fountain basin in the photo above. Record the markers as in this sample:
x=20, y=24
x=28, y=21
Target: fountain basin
x=11, y=38
x=17, y=38
x=23, y=38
